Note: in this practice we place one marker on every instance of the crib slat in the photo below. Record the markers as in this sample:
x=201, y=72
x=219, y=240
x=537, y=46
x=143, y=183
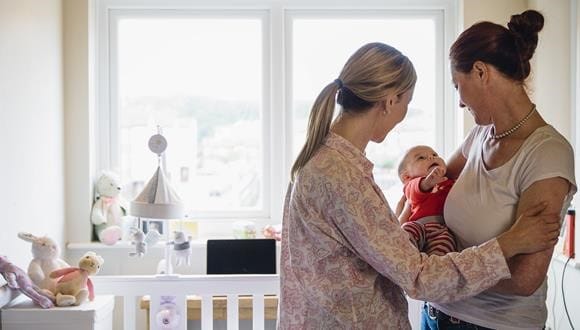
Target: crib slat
x=153, y=304
x=233, y=323
x=181, y=302
x=206, y=312
x=258, y=312
x=129, y=315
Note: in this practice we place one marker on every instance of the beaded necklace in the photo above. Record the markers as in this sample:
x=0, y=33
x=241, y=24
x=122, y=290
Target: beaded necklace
x=516, y=126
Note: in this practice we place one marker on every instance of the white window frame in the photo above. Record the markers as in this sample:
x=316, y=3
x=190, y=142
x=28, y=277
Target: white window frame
x=277, y=110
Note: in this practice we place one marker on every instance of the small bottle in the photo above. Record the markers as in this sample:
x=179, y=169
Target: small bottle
x=569, y=234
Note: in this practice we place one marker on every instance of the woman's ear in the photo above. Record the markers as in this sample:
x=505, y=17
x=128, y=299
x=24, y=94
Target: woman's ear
x=384, y=107
x=481, y=70
x=389, y=102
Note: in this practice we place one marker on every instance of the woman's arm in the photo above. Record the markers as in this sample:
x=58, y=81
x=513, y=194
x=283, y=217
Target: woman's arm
x=457, y=161
x=359, y=217
x=455, y=164
x=529, y=270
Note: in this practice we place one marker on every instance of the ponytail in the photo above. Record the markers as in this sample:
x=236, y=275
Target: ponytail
x=318, y=127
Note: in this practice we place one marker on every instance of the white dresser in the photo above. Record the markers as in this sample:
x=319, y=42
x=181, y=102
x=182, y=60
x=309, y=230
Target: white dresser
x=95, y=315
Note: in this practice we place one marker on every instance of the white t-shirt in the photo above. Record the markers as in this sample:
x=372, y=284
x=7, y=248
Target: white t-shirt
x=482, y=204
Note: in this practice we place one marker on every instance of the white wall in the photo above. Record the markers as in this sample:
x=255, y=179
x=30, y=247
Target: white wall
x=557, y=318
x=31, y=124
x=550, y=88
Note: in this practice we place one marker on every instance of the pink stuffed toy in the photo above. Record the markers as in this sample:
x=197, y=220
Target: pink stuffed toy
x=74, y=285
x=17, y=279
x=274, y=232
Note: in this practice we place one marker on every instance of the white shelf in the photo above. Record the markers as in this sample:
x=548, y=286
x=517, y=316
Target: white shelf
x=123, y=245
x=574, y=263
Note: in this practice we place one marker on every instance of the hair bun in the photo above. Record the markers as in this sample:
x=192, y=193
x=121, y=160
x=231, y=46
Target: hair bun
x=525, y=28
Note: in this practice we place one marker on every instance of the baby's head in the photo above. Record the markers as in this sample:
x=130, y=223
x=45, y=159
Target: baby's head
x=418, y=162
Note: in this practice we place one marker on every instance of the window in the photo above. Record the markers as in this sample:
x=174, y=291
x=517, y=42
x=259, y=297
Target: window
x=231, y=89
x=205, y=90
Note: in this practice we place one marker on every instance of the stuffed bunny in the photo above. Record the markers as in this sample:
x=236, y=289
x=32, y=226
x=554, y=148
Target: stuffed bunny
x=18, y=281
x=46, y=258
x=74, y=285
x=108, y=210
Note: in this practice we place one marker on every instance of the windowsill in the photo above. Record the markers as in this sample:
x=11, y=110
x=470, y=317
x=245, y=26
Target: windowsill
x=126, y=245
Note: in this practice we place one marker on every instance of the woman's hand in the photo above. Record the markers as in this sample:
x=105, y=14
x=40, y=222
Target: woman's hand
x=532, y=232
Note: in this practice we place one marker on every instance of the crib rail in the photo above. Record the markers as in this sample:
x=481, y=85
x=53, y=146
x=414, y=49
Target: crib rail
x=159, y=287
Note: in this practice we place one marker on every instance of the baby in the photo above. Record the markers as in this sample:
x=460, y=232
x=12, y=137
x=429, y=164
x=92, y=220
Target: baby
x=422, y=172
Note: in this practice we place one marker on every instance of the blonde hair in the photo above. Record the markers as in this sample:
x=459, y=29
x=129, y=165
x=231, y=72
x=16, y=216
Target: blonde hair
x=370, y=74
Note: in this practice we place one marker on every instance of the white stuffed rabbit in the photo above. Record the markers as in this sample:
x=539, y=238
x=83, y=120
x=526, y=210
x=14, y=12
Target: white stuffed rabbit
x=46, y=259
x=108, y=209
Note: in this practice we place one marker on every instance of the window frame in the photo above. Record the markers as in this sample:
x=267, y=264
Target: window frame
x=574, y=95
x=277, y=17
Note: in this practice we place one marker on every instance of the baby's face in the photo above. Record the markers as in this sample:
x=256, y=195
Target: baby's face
x=422, y=160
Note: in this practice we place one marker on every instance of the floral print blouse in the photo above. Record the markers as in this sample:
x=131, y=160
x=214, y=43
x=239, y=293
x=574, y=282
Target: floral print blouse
x=346, y=263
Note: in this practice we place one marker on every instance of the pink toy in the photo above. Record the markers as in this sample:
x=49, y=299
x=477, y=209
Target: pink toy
x=74, y=285
x=274, y=232
x=18, y=280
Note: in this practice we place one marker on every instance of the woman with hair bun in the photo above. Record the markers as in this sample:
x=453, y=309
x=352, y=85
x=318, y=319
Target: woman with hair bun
x=512, y=159
x=345, y=261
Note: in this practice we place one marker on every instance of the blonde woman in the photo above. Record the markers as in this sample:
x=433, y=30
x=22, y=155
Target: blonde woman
x=346, y=262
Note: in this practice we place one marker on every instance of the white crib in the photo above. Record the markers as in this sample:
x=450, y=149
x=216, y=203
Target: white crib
x=131, y=288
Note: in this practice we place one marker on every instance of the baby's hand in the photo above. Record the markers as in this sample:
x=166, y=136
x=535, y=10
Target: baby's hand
x=435, y=177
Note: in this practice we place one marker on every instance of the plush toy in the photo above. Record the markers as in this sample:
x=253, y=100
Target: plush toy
x=108, y=209
x=74, y=285
x=181, y=248
x=19, y=282
x=141, y=241
x=168, y=316
x=274, y=232
x=46, y=258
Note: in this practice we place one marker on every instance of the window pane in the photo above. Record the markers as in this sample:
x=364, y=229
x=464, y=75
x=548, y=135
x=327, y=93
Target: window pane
x=315, y=66
x=200, y=79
